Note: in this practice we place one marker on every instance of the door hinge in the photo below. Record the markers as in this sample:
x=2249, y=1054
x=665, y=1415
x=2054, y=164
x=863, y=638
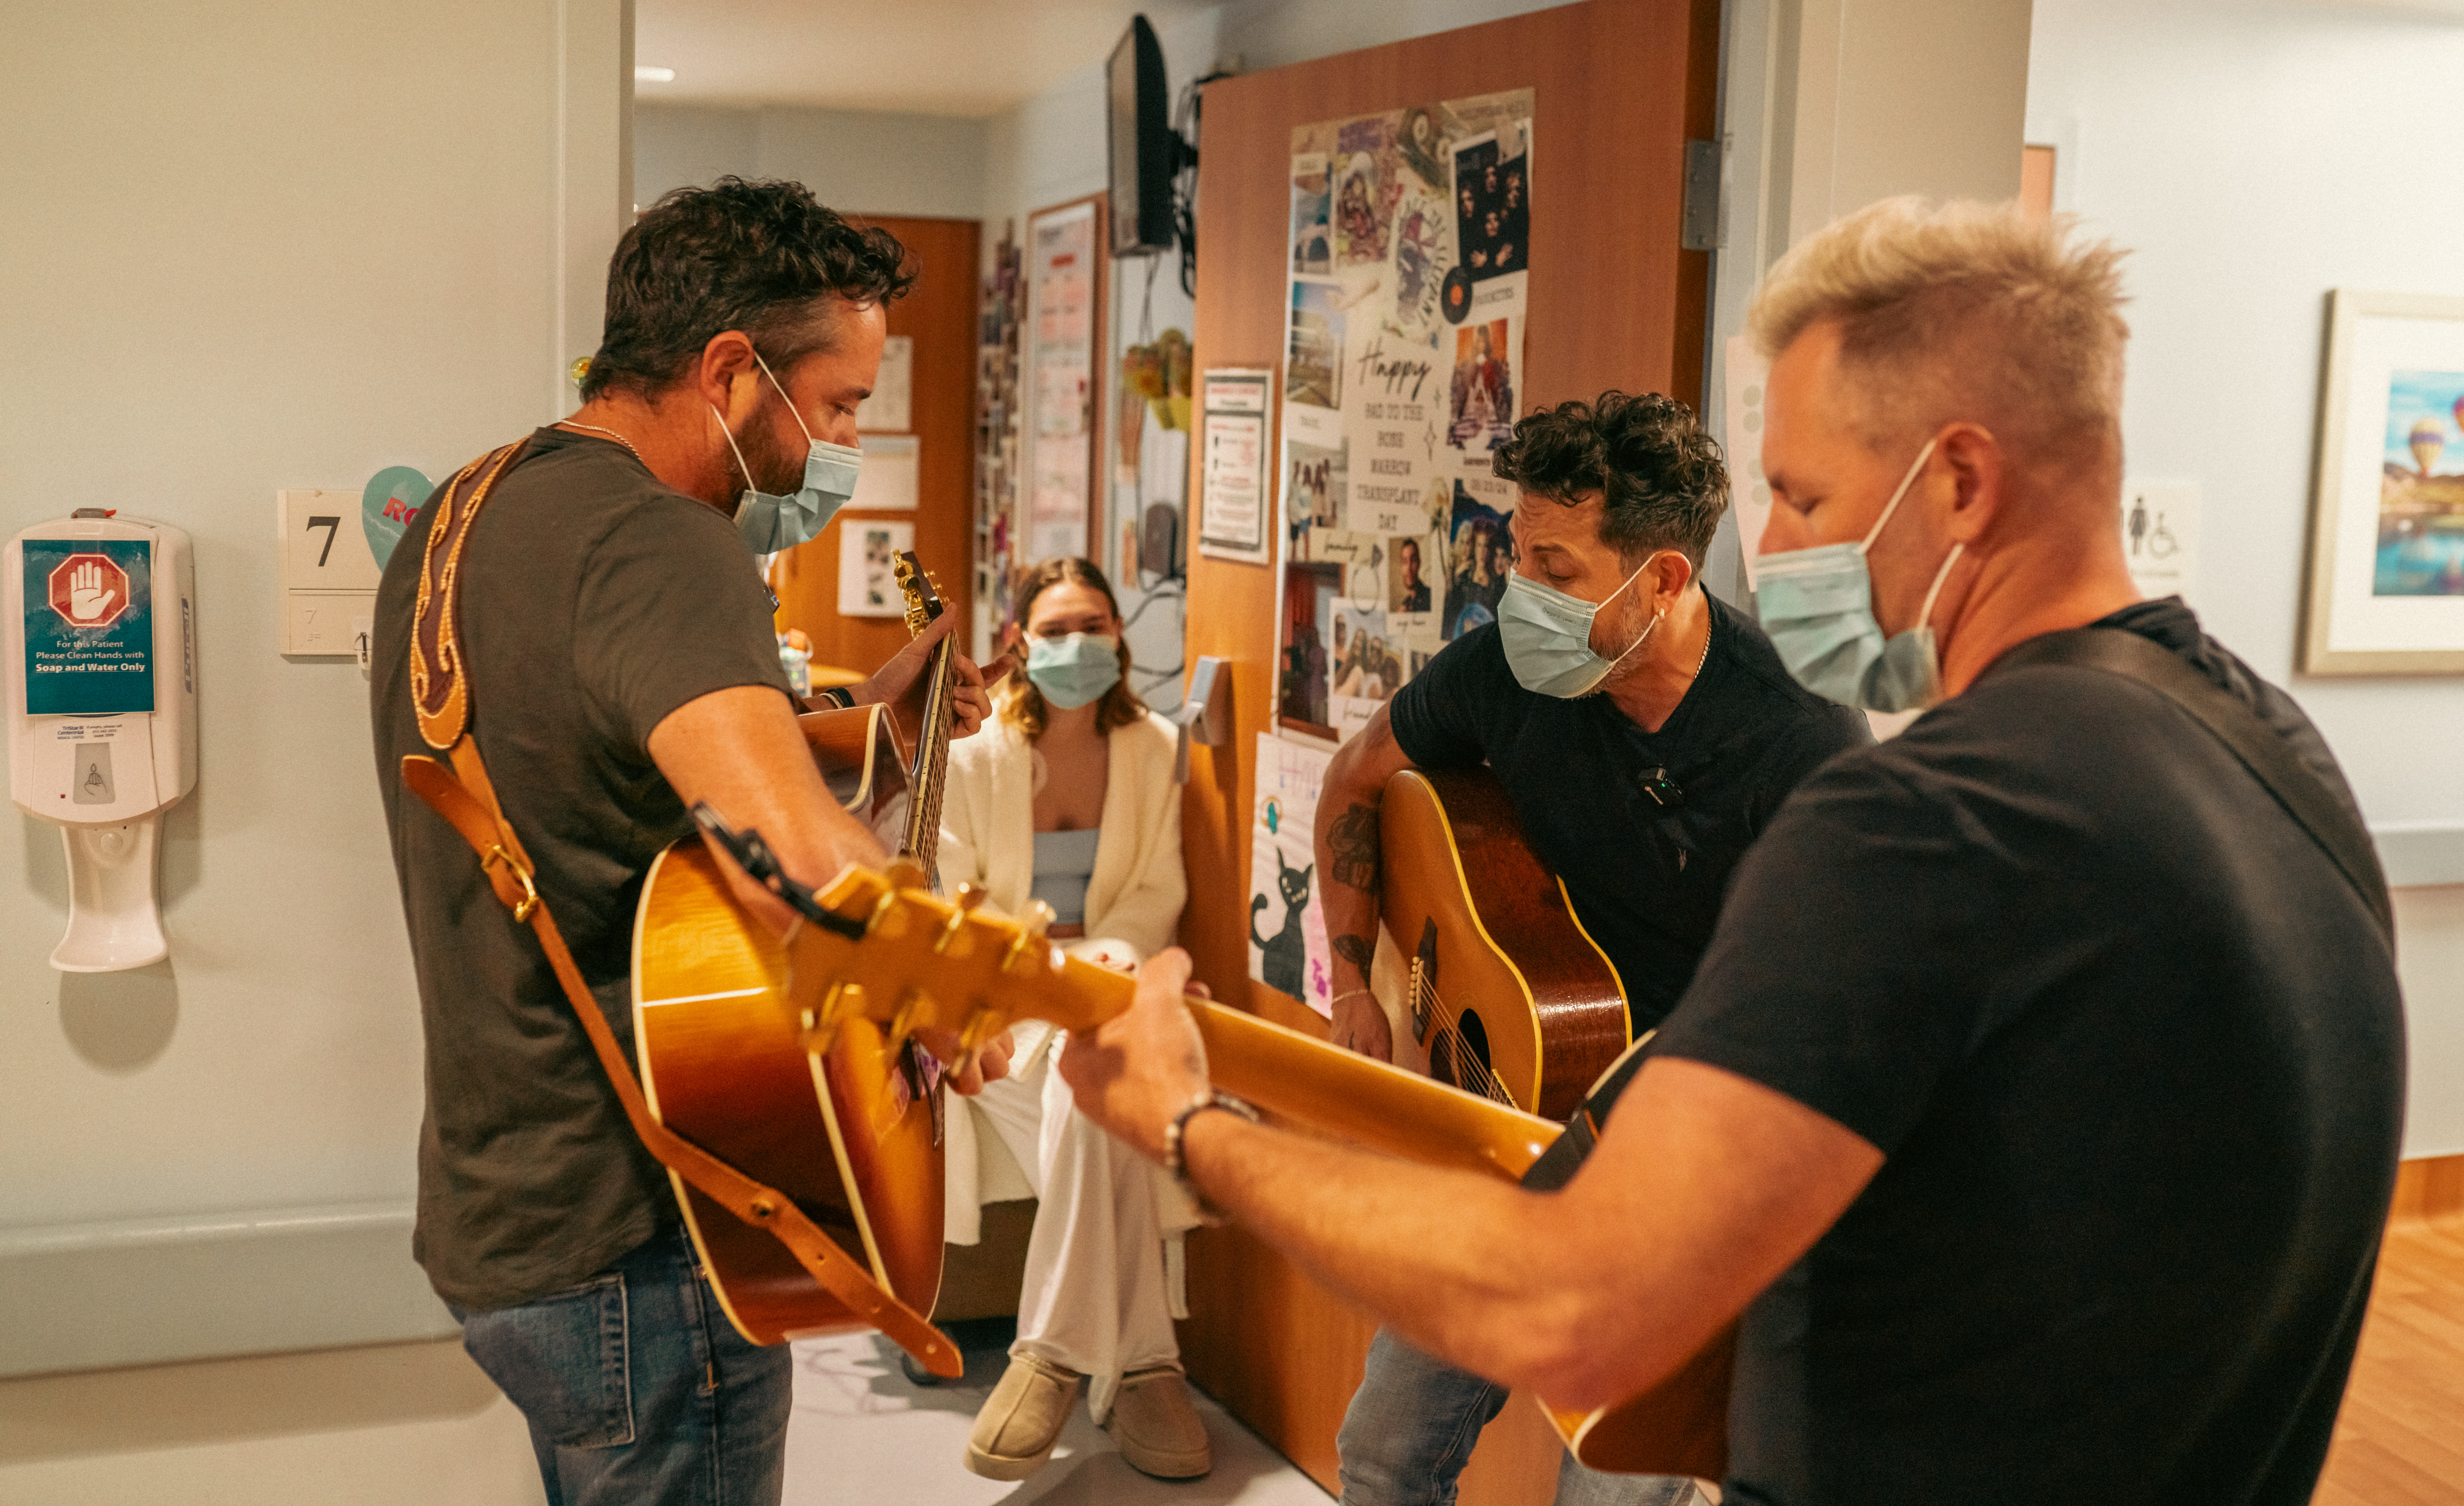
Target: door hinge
x=1699, y=226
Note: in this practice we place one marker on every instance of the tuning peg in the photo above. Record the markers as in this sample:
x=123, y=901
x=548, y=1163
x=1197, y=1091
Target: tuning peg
x=1031, y=927
x=819, y=1028
x=914, y=1005
x=965, y=900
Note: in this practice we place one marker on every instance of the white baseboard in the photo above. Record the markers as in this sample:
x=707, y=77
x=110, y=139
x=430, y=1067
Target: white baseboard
x=85, y=1297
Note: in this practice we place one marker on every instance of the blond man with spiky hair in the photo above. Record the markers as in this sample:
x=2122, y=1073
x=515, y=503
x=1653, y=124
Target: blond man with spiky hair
x=2037, y=1105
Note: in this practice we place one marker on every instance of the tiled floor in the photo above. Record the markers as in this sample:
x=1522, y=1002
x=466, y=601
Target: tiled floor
x=863, y=1435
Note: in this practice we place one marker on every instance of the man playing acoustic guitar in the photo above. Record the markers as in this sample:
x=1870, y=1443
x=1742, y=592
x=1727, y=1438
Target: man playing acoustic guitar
x=617, y=652
x=2038, y=1101
x=1645, y=733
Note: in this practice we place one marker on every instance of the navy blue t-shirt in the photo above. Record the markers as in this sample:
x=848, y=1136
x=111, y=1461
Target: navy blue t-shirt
x=2133, y=1050
x=1646, y=879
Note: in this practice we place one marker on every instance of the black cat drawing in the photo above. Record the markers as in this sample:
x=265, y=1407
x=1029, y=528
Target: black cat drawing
x=1287, y=962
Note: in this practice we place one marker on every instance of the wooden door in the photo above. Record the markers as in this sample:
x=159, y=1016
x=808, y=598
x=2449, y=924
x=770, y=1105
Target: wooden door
x=939, y=315
x=1620, y=86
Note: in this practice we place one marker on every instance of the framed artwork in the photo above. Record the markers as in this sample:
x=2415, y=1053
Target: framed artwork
x=2386, y=509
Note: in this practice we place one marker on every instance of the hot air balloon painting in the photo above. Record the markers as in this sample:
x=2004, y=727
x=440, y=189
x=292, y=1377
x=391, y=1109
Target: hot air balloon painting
x=2421, y=508
x=2429, y=437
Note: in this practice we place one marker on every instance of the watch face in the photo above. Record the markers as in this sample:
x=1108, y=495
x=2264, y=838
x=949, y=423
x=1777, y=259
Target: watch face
x=1456, y=298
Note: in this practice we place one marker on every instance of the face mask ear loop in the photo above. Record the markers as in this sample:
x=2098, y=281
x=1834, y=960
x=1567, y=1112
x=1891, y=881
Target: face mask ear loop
x=1646, y=627
x=783, y=397
x=1924, y=613
x=1905, y=482
x=731, y=444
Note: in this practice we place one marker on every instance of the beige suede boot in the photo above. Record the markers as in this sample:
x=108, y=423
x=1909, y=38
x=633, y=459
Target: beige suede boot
x=1156, y=1428
x=1015, y=1432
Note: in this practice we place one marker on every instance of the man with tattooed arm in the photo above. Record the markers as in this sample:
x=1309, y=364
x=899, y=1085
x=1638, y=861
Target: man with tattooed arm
x=1645, y=732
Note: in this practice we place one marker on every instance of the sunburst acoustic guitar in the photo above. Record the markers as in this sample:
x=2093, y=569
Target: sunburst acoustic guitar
x=790, y=1061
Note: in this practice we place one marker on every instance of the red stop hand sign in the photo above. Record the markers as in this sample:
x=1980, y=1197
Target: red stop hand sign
x=89, y=590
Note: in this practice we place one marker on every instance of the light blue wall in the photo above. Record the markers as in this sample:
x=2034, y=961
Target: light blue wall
x=2253, y=156
x=926, y=166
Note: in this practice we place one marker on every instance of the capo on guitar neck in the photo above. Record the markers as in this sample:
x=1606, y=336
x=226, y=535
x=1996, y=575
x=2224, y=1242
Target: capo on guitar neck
x=753, y=855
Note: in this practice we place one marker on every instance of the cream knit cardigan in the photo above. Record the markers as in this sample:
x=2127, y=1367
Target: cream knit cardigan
x=1133, y=900
x=1135, y=897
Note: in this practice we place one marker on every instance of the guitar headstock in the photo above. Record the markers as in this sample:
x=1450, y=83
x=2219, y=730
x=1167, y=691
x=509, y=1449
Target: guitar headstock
x=927, y=964
x=923, y=593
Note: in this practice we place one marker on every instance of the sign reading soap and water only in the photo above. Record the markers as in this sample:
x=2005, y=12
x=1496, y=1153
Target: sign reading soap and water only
x=100, y=672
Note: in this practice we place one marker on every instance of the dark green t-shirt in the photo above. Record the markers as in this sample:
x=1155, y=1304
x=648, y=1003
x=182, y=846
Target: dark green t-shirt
x=594, y=601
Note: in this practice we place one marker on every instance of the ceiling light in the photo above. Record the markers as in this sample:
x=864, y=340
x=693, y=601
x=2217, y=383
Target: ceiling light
x=644, y=73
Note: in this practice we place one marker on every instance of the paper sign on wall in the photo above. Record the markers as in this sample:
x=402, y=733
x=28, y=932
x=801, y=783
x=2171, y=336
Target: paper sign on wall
x=1287, y=946
x=1232, y=508
x=1748, y=379
x=867, y=567
x=886, y=481
x=88, y=627
x=891, y=407
x=2160, y=537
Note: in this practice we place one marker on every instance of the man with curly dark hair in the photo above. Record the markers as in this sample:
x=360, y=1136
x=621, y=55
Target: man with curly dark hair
x=616, y=644
x=1644, y=730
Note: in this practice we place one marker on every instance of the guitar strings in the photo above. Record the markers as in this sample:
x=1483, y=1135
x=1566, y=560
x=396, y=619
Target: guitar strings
x=1469, y=1071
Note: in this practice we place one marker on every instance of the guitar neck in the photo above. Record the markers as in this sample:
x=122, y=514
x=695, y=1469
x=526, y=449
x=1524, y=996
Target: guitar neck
x=1376, y=1105
x=923, y=836
x=1317, y=1086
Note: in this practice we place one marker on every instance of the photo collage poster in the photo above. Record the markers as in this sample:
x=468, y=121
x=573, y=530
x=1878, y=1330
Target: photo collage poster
x=1402, y=358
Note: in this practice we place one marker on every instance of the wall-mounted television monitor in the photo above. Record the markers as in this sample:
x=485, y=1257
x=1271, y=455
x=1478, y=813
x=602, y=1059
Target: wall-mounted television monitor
x=1145, y=153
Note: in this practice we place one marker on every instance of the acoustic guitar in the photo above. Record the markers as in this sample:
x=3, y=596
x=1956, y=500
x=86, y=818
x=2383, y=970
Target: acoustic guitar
x=789, y=1059
x=853, y=1132
x=1506, y=993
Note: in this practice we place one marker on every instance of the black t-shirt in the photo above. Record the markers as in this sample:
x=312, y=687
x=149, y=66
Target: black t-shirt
x=594, y=601
x=1646, y=879
x=2133, y=1049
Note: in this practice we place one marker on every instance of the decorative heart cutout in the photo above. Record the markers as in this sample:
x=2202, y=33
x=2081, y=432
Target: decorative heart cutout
x=391, y=500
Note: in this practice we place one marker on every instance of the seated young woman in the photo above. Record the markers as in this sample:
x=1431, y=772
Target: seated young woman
x=1068, y=796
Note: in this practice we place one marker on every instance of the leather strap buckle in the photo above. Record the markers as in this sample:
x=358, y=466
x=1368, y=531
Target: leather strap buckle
x=530, y=900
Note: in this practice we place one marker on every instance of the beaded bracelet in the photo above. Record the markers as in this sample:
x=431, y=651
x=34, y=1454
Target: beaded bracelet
x=1173, y=1163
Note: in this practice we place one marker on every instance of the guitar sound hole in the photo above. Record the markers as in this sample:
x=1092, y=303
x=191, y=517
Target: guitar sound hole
x=1475, y=1037
x=1460, y=1057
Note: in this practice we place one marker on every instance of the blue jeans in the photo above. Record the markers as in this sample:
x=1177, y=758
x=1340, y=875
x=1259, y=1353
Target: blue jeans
x=637, y=1389
x=1413, y=1423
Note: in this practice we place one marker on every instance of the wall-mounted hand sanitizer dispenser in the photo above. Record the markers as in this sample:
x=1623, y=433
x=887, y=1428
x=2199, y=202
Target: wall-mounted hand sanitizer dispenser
x=101, y=679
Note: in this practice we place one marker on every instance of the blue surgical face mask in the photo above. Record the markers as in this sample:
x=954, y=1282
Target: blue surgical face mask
x=1547, y=636
x=1073, y=671
x=771, y=524
x=1818, y=607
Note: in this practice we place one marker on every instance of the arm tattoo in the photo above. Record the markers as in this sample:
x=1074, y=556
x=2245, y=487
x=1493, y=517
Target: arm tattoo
x=1358, y=950
x=1354, y=841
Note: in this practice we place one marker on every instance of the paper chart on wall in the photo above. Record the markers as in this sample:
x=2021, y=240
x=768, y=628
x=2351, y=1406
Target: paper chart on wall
x=1288, y=944
x=1408, y=280
x=1061, y=321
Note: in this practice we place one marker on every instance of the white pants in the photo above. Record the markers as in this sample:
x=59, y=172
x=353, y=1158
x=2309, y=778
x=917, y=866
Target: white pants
x=1103, y=1267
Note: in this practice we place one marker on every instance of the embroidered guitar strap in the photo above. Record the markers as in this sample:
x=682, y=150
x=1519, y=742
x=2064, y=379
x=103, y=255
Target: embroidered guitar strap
x=457, y=788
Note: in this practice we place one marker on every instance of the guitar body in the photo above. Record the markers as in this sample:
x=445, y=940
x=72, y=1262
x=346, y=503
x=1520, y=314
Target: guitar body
x=850, y=1135
x=1508, y=996
x=863, y=760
